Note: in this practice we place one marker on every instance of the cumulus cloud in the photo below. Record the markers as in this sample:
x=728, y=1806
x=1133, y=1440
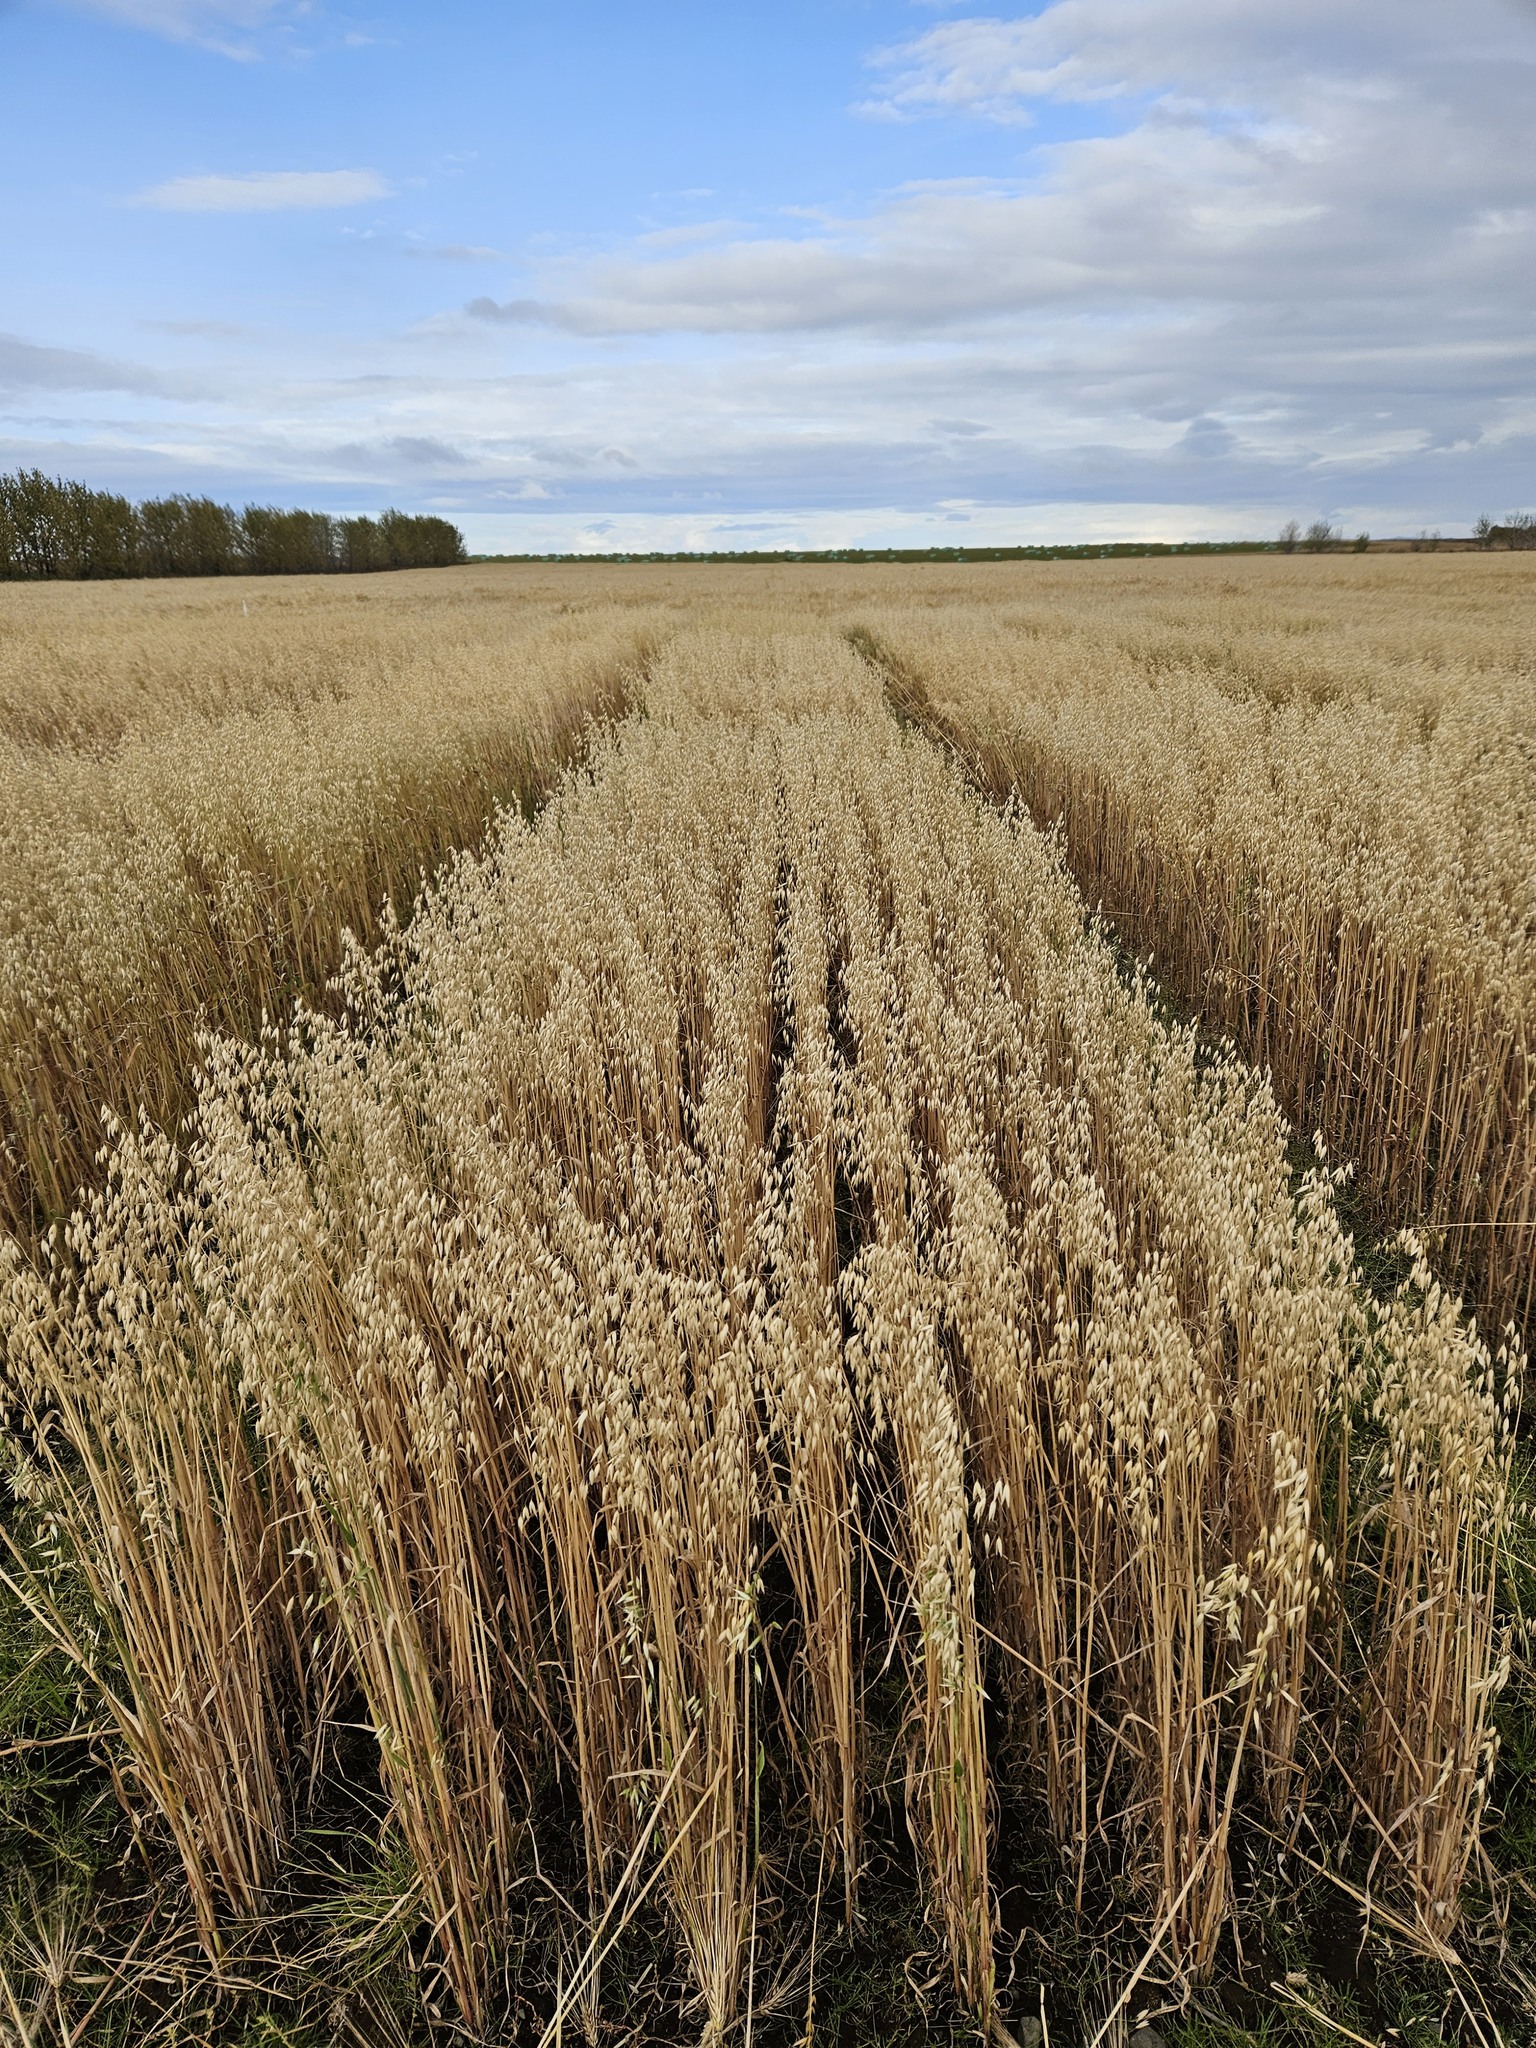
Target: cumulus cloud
x=265, y=192
x=1304, y=244
x=1297, y=261
x=1232, y=54
x=1287, y=160
x=1291, y=269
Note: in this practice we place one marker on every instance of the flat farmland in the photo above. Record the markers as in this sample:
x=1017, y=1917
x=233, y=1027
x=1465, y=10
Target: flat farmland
x=780, y=1303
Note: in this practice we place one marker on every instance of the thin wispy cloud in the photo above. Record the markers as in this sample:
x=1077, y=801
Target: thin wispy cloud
x=223, y=25
x=265, y=192
x=456, y=252
x=527, y=313
x=411, y=452
x=201, y=330
x=27, y=367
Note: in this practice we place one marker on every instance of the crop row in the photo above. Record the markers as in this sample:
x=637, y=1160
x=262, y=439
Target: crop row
x=1311, y=807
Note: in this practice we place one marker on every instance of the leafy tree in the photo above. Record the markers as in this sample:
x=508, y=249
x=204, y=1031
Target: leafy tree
x=95, y=532
x=33, y=504
x=360, y=545
x=417, y=542
x=278, y=543
x=189, y=537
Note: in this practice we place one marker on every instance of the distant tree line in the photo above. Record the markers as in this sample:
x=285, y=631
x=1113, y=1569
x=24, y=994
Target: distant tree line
x=1517, y=531
x=49, y=528
x=1087, y=551
x=1318, y=538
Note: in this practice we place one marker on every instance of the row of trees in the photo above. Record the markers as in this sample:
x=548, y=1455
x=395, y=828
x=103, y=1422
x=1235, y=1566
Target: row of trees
x=1318, y=536
x=51, y=528
x=1517, y=531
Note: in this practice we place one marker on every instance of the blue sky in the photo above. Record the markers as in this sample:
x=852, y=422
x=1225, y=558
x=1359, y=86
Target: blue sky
x=821, y=272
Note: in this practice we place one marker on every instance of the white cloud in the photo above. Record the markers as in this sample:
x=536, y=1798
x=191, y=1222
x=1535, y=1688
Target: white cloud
x=1226, y=53
x=1086, y=428
x=211, y=23
x=265, y=192
x=1284, y=163
x=679, y=237
x=1293, y=271
x=456, y=252
x=1300, y=256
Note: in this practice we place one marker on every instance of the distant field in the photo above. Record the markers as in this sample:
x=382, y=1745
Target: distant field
x=752, y=1413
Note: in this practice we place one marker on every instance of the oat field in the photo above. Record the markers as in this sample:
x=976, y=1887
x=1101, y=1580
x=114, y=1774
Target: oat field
x=780, y=1305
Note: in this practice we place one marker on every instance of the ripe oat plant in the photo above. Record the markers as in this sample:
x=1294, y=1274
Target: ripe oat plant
x=734, y=1351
